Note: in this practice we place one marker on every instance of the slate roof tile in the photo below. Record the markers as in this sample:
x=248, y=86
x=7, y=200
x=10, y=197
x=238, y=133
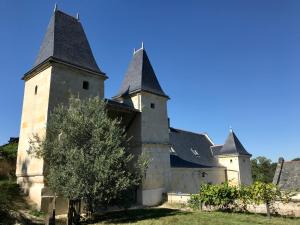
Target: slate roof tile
x=192, y=148
x=287, y=175
x=65, y=41
x=140, y=76
x=232, y=146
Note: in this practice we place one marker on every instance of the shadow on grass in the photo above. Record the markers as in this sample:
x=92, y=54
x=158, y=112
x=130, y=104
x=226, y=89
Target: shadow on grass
x=273, y=215
x=131, y=216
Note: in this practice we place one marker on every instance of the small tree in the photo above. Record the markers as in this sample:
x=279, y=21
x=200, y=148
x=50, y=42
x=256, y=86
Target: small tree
x=263, y=193
x=85, y=155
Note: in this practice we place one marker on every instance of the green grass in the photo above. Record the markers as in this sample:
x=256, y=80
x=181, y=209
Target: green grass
x=174, y=216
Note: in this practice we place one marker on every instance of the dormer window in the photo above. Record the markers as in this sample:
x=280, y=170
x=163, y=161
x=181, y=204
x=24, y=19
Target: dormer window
x=194, y=152
x=85, y=85
x=172, y=150
x=35, y=89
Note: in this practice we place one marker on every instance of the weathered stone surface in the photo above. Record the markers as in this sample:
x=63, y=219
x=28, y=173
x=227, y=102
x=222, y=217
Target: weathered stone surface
x=287, y=175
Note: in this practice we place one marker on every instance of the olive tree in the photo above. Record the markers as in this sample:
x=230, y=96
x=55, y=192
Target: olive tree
x=86, y=155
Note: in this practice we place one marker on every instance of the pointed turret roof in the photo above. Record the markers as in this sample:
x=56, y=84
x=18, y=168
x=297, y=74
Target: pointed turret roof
x=140, y=76
x=65, y=41
x=232, y=146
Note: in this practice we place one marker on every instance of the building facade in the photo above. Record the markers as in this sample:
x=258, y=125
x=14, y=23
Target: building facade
x=180, y=160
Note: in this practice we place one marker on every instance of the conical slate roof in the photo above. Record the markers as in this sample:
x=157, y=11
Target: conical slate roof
x=65, y=41
x=232, y=146
x=140, y=76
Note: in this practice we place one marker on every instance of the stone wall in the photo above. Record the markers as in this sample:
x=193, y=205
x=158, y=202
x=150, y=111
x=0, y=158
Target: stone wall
x=43, y=91
x=287, y=209
x=150, y=135
x=188, y=180
x=238, y=169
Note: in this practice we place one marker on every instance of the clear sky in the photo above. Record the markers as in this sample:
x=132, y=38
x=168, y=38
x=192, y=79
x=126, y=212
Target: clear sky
x=223, y=63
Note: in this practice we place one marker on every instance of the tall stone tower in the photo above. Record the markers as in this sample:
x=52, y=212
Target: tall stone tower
x=150, y=130
x=65, y=65
x=236, y=159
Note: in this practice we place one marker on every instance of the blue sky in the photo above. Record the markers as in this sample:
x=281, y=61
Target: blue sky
x=223, y=63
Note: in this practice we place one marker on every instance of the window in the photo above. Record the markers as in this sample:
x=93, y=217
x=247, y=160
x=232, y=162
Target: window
x=203, y=174
x=85, y=85
x=195, y=152
x=230, y=160
x=172, y=150
x=152, y=105
x=244, y=160
x=35, y=89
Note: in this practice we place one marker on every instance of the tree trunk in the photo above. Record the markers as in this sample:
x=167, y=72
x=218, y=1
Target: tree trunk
x=50, y=219
x=268, y=210
x=70, y=214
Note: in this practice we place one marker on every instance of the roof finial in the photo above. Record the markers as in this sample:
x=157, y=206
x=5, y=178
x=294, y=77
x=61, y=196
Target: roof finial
x=55, y=7
x=142, y=45
x=134, y=51
x=77, y=16
x=230, y=129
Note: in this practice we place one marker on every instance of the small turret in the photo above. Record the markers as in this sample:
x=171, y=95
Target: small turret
x=236, y=159
x=150, y=130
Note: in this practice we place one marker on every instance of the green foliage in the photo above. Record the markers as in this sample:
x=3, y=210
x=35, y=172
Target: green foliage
x=8, y=192
x=85, y=154
x=225, y=197
x=296, y=159
x=222, y=196
x=263, y=193
x=268, y=193
x=37, y=213
x=262, y=169
x=194, y=202
x=9, y=151
x=244, y=197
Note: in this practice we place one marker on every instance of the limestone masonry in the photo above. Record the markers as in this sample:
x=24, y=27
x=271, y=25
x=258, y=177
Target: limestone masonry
x=180, y=160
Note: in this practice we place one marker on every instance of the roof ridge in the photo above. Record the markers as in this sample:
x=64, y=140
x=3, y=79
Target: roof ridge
x=192, y=132
x=66, y=14
x=291, y=161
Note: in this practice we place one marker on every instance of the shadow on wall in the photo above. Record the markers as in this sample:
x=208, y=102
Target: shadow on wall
x=25, y=183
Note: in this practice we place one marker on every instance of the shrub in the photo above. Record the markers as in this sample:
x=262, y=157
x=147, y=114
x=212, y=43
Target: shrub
x=8, y=192
x=244, y=197
x=222, y=196
x=195, y=202
x=227, y=197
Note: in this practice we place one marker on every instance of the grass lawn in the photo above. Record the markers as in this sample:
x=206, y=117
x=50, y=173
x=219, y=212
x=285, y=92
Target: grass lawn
x=173, y=216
